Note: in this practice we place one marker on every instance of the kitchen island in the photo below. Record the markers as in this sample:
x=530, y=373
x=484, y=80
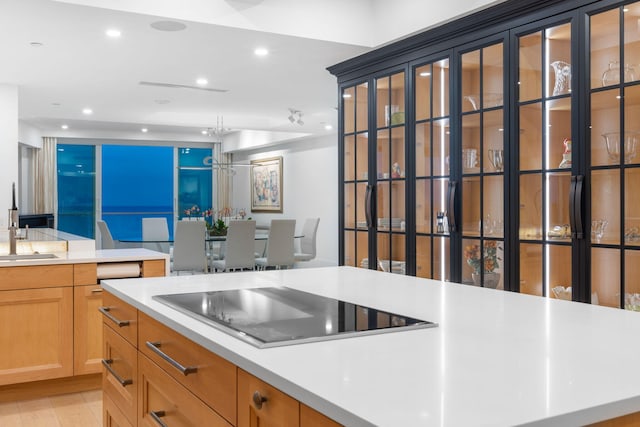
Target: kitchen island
x=496, y=358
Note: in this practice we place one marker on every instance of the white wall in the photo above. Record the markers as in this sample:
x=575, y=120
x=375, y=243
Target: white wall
x=8, y=147
x=310, y=189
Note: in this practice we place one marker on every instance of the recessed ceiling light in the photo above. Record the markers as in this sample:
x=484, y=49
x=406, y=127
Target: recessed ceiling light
x=328, y=127
x=114, y=33
x=261, y=51
x=425, y=74
x=168, y=26
x=144, y=130
x=204, y=132
x=65, y=127
x=87, y=111
x=202, y=81
x=36, y=44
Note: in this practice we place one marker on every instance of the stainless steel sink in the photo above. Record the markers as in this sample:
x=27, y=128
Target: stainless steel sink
x=26, y=257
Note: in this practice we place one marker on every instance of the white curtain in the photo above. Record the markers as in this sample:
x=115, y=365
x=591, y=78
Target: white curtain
x=45, y=177
x=223, y=176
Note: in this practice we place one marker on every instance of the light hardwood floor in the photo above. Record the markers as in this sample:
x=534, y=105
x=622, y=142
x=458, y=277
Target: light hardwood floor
x=82, y=409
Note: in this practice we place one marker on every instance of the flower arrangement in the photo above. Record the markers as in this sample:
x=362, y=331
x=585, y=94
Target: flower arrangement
x=192, y=211
x=489, y=258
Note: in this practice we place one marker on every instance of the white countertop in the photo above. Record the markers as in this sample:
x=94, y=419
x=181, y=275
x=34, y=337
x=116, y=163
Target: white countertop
x=496, y=359
x=88, y=256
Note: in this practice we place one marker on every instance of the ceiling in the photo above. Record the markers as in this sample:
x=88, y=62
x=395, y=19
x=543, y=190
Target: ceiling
x=59, y=56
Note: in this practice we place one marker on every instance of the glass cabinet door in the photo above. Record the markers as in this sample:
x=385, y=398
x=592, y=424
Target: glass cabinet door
x=545, y=162
x=432, y=169
x=482, y=166
x=355, y=103
x=390, y=173
x=614, y=171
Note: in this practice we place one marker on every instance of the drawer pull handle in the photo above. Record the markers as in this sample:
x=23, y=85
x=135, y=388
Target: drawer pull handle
x=156, y=415
x=185, y=370
x=96, y=291
x=120, y=323
x=258, y=399
x=107, y=364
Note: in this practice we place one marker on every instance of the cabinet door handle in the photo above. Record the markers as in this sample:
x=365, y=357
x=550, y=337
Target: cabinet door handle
x=258, y=399
x=575, y=207
x=120, y=323
x=572, y=206
x=184, y=370
x=107, y=364
x=451, y=206
x=578, y=207
x=157, y=415
x=368, y=203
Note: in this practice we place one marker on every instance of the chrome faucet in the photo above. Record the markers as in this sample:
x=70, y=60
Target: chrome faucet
x=13, y=231
x=13, y=223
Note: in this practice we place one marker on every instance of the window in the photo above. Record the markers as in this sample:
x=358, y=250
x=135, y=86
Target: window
x=76, y=189
x=137, y=182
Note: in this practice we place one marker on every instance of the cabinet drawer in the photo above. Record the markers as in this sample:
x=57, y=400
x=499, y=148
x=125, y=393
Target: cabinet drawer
x=36, y=276
x=163, y=398
x=154, y=268
x=111, y=415
x=207, y=375
x=311, y=418
x=261, y=404
x=85, y=274
x=121, y=316
x=120, y=373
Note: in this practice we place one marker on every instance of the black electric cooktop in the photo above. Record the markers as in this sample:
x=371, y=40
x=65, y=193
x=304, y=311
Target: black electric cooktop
x=278, y=316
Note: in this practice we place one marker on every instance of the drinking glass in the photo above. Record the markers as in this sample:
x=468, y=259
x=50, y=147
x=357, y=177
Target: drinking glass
x=597, y=229
x=496, y=157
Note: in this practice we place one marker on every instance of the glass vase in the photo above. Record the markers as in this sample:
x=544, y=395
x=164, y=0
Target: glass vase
x=562, y=77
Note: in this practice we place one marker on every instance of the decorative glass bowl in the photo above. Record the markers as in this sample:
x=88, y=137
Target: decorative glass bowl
x=611, y=75
x=612, y=141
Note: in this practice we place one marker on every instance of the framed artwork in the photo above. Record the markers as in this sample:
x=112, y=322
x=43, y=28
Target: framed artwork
x=266, y=185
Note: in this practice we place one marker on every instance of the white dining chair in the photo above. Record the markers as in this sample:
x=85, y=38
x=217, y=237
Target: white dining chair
x=238, y=248
x=280, y=245
x=308, y=240
x=189, y=253
x=155, y=231
x=106, y=239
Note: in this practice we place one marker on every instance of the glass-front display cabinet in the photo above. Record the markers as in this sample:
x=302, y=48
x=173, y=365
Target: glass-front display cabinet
x=546, y=184
x=355, y=187
x=501, y=150
x=482, y=165
x=432, y=169
x=614, y=170
x=374, y=173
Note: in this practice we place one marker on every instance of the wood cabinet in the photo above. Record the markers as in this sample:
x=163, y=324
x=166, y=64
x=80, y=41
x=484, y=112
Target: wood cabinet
x=51, y=329
x=154, y=375
x=36, y=334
